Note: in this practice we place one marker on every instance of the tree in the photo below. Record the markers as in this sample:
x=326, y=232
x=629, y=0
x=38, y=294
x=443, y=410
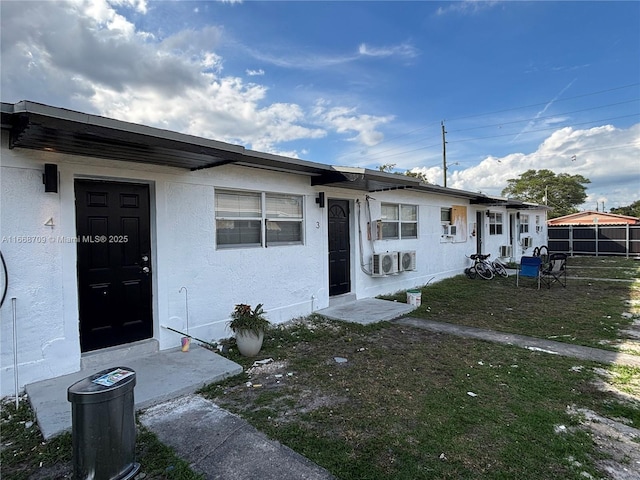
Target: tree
x=390, y=167
x=419, y=175
x=562, y=192
x=632, y=210
x=387, y=167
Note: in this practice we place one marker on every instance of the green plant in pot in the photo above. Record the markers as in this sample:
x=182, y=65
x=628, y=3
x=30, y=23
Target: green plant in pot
x=249, y=325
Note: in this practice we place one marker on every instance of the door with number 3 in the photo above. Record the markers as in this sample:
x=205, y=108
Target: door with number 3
x=339, y=248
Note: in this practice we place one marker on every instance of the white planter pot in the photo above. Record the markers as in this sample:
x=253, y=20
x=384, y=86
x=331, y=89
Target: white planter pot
x=249, y=344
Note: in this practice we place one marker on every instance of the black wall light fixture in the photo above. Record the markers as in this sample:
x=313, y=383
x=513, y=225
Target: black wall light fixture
x=320, y=199
x=50, y=178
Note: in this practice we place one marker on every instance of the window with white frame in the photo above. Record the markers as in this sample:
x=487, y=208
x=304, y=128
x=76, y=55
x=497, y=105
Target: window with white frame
x=399, y=221
x=255, y=219
x=524, y=223
x=445, y=220
x=284, y=219
x=495, y=223
x=445, y=215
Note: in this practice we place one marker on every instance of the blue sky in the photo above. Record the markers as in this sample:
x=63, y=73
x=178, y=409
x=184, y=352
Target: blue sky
x=519, y=85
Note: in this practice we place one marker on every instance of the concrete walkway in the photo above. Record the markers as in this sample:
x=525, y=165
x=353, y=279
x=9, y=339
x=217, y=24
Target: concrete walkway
x=221, y=445
x=366, y=311
x=531, y=343
x=160, y=376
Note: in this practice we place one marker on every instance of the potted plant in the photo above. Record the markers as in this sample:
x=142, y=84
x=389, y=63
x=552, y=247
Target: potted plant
x=249, y=325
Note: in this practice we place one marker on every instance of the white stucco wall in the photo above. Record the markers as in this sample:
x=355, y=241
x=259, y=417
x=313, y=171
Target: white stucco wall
x=289, y=280
x=42, y=271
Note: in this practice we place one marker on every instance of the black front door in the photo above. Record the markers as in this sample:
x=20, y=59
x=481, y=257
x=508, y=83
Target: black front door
x=114, y=261
x=339, y=252
x=479, y=231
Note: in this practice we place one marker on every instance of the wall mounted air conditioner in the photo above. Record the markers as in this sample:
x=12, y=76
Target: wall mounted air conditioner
x=506, y=251
x=406, y=260
x=384, y=264
x=449, y=230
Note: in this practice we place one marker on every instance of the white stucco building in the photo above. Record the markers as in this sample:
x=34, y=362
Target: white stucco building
x=137, y=213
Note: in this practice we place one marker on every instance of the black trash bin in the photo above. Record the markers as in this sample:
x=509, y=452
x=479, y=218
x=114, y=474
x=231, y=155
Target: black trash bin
x=103, y=425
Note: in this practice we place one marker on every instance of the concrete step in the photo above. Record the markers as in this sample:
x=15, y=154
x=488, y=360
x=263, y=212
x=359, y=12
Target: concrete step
x=160, y=376
x=338, y=300
x=119, y=354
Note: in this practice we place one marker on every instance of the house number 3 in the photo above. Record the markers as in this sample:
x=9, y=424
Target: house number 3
x=317, y=224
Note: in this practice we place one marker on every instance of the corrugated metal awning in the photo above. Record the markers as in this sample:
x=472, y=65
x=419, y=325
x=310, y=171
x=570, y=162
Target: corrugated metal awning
x=43, y=127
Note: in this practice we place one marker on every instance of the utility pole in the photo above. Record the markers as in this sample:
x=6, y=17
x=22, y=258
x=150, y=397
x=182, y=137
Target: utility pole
x=444, y=153
x=546, y=195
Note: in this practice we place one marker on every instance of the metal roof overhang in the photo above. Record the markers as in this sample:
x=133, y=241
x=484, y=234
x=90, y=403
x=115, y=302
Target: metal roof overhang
x=42, y=127
x=363, y=179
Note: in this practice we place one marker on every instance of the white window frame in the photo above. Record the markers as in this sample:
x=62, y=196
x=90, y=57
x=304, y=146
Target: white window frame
x=524, y=223
x=399, y=222
x=272, y=220
x=267, y=220
x=494, y=224
x=445, y=220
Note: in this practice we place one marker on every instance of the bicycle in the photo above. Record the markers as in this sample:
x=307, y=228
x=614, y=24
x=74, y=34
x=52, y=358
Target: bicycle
x=483, y=267
x=480, y=267
x=498, y=268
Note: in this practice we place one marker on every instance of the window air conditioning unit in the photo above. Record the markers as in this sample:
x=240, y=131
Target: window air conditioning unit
x=384, y=264
x=527, y=242
x=506, y=251
x=449, y=230
x=407, y=260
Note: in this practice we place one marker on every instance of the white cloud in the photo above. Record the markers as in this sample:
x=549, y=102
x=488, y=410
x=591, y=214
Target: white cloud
x=87, y=56
x=313, y=60
x=533, y=122
x=345, y=120
x=402, y=50
x=466, y=7
x=606, y=155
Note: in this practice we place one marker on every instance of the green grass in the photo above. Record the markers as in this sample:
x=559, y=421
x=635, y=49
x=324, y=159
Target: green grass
x=401, y=401
x=26, y=456
x=604, y=267
x=399, y=407
x=587, y=312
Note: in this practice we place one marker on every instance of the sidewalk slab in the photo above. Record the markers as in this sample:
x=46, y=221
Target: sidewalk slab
x=159, y=377
x=366, y=311
x=531, y=343
x=221, y=445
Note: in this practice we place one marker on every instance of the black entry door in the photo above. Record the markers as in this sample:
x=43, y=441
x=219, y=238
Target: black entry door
x=339, y=258
x=114, y=261
x=479, y=231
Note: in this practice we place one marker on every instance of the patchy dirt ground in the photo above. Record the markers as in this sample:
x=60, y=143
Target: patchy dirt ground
x=617, y=438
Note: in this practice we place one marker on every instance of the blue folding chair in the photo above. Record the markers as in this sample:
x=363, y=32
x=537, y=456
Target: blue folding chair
x=530, y=267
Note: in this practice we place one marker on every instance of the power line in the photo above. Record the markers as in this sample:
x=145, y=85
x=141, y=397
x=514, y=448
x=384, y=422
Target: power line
x=555, y=127
x=545, y=103
x=545, y=117
x=386, y=141
x=378, y=156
